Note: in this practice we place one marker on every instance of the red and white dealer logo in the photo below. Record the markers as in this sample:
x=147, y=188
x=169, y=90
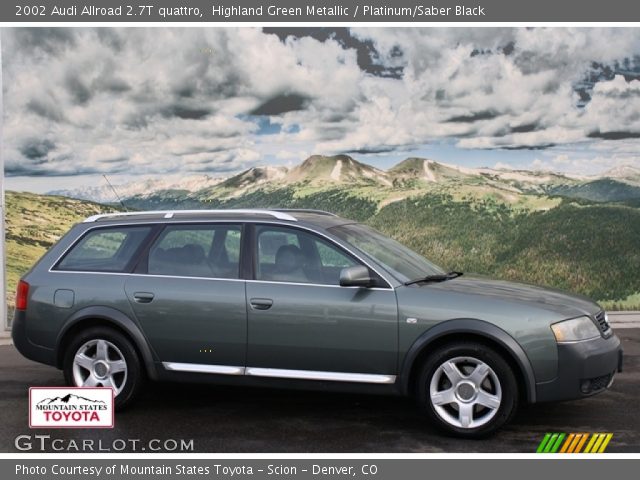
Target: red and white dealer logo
x=71, y=407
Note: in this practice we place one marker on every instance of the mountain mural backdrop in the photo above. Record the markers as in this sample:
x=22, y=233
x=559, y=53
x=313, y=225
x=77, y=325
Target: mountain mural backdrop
x=576, y=233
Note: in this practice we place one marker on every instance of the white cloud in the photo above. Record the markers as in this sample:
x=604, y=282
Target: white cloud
x=173, y=100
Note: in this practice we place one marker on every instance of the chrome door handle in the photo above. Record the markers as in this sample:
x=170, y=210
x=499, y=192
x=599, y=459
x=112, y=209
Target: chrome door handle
x=261, y=303
x=143, y=297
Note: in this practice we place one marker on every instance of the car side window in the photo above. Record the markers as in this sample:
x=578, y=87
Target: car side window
x=291, y=255
x=211, y=251
x=232, y=246
x=104, y=250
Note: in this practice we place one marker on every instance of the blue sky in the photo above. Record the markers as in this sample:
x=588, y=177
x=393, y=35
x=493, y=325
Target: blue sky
x=142, y=103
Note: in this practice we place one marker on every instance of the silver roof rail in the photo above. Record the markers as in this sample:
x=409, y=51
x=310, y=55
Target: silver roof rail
x=171, y=213
x=305, y=210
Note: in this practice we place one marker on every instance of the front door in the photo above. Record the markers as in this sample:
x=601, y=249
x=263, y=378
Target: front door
x=190, y=300
x=302, y=324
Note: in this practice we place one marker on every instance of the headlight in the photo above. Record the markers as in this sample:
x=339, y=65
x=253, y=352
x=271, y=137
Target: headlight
x=575, y=330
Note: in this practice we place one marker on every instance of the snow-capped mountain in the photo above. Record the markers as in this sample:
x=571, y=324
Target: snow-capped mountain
x=320, y=172
x=105, y=194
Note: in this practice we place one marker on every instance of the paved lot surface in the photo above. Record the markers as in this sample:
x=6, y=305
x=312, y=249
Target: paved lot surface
x=234, y=419
x=625, y=319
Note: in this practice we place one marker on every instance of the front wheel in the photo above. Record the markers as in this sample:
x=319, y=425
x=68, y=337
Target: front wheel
x=103, y=357
x=467, y=389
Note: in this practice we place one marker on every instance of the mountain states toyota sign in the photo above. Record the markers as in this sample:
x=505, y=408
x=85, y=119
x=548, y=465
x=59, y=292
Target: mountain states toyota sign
x=71, y=407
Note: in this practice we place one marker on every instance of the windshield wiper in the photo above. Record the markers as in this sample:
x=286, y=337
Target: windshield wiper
x=434, y=278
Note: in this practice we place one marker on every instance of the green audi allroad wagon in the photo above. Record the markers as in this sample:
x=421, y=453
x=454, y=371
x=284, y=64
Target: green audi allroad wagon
x=302, y=299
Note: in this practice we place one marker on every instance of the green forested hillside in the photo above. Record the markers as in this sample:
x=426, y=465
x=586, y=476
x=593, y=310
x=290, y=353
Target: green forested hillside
x=335, y=200
x=499, y=223
x=585, y=247
x=601, y=190
x=33, y=223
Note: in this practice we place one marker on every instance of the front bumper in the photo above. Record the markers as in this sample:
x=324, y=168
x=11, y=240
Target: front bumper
x=584, y=369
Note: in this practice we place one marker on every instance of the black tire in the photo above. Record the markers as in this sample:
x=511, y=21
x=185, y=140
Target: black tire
x=442, y=416
x=135, y=375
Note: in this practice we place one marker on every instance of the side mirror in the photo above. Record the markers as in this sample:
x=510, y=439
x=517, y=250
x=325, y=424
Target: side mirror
x=357, y=276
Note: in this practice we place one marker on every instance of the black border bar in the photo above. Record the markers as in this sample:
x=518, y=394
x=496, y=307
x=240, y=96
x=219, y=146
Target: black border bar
x=331, y=11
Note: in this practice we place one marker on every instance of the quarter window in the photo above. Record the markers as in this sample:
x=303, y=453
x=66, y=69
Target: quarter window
x=289, y=255
x=105, y=250
x=197, y=251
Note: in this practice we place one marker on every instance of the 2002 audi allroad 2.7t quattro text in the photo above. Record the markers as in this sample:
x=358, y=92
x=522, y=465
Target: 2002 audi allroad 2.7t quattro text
x=302, y=299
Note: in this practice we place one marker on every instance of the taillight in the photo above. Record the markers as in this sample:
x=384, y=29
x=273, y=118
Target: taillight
x=21, y=295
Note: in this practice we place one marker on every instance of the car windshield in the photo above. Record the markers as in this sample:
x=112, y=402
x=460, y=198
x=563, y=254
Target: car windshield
x=404, y=263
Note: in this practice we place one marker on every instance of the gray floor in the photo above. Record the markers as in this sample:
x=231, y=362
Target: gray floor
x=226, y=419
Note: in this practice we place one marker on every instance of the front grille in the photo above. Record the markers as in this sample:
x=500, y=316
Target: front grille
x=603, y=325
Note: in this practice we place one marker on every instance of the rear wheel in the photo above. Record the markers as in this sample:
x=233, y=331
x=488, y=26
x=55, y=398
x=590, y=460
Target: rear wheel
x=467, y=389
x=103, y=357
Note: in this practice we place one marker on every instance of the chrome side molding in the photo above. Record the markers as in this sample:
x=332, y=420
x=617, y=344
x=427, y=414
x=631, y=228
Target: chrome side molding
x=203, y=368
x=318, y=375
x=281, y=373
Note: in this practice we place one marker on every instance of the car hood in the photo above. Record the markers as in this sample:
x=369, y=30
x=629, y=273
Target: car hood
x=564, y=304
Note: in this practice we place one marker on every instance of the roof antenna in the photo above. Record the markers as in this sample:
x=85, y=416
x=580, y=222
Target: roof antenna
x=115, y=193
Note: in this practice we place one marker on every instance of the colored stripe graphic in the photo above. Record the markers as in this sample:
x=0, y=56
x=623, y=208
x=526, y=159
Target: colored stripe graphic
x=596, y=446
x=574, y=442
x=543, y=443
x=578, y=441
x=592, y=441
x=606, y=441
x=568, y=442
x=581, y=443
x=556, y=445
x=552, y=440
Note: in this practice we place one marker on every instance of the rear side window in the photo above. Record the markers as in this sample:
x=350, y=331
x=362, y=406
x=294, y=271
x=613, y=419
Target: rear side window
x=211, y=251
x=105, y=250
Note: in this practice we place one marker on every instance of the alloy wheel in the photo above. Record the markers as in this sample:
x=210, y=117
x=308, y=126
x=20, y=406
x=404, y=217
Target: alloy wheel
x=465, y=392
x=99, y=363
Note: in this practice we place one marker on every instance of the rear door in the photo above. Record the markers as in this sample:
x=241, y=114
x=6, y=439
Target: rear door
x=189, y=299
